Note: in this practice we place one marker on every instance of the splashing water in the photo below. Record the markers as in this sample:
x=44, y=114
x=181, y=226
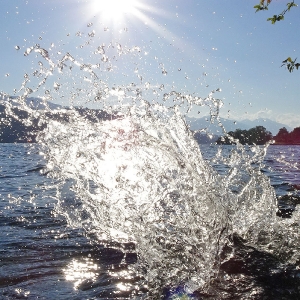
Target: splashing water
x=132, y=172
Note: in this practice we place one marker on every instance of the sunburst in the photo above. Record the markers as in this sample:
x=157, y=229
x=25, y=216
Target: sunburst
x=116, y=10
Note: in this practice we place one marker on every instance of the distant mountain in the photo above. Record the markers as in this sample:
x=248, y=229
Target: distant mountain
x=231, y=125
x=14, y=129
x=204, y=123
x=270, y=125
x=33, y=102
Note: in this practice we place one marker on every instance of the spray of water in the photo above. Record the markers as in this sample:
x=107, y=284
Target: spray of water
x=131, y=171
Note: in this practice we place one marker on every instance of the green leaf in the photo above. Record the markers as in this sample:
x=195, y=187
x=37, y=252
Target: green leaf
x=290, y=5
x=273, y=19
x=290, y=64
x=259, y=7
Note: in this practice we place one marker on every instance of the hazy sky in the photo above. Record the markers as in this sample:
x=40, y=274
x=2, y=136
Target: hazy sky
x=201, y=46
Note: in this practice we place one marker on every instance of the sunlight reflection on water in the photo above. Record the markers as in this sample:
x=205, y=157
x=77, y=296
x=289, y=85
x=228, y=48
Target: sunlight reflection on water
x=79, y=271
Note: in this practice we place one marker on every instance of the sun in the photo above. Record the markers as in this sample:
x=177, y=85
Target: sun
x=117, y=15
x=116, y=9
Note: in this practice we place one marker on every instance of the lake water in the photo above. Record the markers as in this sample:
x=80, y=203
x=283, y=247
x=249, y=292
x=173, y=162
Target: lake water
x=43, y=257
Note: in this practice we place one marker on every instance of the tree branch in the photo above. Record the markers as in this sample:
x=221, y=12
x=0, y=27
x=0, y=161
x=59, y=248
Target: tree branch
x=263, y=5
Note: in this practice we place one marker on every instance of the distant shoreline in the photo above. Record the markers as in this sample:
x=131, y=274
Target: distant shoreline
x=285, y=144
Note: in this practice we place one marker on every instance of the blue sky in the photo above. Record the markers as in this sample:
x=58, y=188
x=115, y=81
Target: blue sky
x=203, y=45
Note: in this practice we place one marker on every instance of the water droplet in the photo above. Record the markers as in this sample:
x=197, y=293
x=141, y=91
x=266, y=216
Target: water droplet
x=89, y=24
x=28, y=91
x=164, y=72
x=28, y=51
x=104, y=58
x=179, y=69
x=17, y=47
x=92, y=34
x=7, y=74
x=40, y=38
x=136, y=48
x=43, y=52
x=106, y=29
x=165, y=97
x=56, y=86
x=101, y=49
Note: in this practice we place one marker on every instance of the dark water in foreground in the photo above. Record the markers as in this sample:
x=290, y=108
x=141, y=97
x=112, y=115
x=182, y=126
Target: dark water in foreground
x=42, y=258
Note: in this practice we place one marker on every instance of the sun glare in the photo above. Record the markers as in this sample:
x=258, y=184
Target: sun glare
x=116, y=9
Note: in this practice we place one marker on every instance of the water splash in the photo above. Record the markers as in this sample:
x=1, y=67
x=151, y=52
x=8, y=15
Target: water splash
x=131, y=171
